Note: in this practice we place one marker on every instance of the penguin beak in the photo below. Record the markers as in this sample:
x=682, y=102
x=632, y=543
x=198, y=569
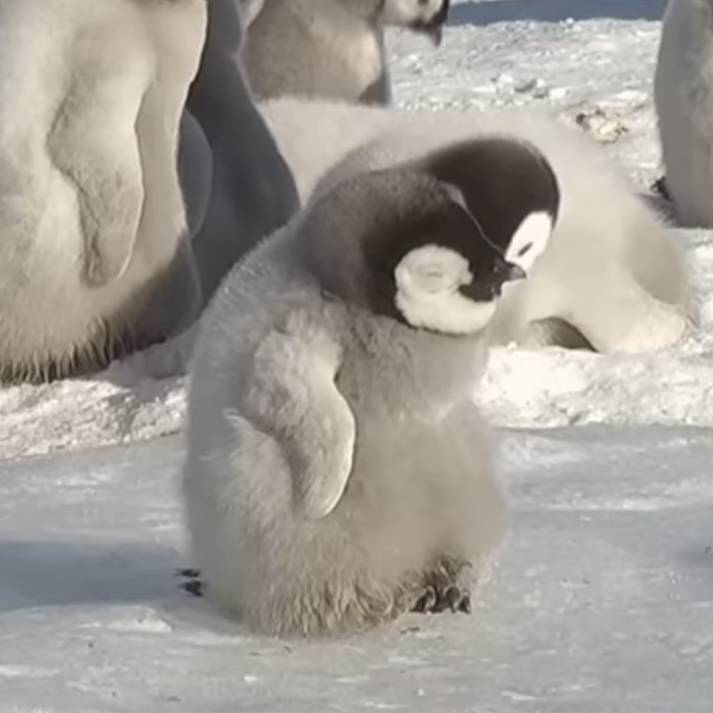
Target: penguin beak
x=508, y=272
x=433, y=28
x=503, y=271
x=490, y=287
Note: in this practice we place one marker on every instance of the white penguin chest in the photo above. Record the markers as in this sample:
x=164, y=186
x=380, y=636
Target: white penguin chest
x=354, y=51
x=364, y=55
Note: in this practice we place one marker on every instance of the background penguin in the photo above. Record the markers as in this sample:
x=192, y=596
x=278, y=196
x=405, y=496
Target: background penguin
x=195, y=170
x=248, y=11
x=312, y=135
x=683, y=94
x=94, y=259
x=252, y=190
x=331, y=48
x=611, y=277
x=338, y=472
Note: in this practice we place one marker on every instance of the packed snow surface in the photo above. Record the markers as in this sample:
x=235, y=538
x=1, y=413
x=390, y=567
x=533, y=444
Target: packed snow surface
x=603, y=600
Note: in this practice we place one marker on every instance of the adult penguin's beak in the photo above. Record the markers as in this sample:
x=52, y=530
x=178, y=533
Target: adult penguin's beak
x=433, y=28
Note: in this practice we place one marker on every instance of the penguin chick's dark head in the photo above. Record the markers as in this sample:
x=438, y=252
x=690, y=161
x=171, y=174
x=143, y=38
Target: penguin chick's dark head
x=509, y=188
x=403, y=244
x=426, y=16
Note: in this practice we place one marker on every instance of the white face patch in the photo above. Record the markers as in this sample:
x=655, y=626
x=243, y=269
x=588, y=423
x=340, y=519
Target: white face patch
x=427, y=282
x=529, y=240
x=405, y=12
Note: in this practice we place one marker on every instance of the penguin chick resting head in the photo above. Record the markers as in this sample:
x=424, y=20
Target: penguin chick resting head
x=427, y=16
x=432, y=242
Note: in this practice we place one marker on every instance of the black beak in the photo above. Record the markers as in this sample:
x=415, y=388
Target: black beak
x=503, y=272
x=489, y=287
x=434, y=27
x=507, y=272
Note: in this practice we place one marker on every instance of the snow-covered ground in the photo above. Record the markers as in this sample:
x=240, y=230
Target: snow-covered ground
x=603, y=600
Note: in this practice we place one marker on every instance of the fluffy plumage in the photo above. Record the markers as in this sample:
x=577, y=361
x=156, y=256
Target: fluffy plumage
x=93, y=258
x=338, y=473
x=683, y=93
x=331, y=48
x=313, y=135
x=252, y=190
x=610, y=270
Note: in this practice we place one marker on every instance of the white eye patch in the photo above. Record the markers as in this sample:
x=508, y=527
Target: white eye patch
x=529, y=240
x=427, y=282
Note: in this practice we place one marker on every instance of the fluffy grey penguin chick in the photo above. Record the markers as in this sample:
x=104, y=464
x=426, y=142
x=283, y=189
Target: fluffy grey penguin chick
x=338, y=472
x=611, y=278
x=331, y=48
x=94, y=259
x=683, y=94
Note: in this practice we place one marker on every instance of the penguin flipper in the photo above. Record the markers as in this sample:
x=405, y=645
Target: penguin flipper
x=294, y=397
x=93, y=143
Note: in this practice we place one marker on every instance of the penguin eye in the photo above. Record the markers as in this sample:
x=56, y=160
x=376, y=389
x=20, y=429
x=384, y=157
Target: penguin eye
x=524, y=249
x=432, y=280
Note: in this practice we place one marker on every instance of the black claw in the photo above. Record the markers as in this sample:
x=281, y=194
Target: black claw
x=660, y=186
x=465, y=605
x=194, y=587
x=426, y=601
x=442, y=590
x=453, y=597
x=188, y=573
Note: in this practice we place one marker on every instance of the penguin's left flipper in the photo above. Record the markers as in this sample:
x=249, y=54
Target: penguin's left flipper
x=93, y=143
x=294, y=397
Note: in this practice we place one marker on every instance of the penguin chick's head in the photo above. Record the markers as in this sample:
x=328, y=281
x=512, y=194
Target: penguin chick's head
x=509, y=189
x=403, y=244
x=431, y=242
x=427, y=16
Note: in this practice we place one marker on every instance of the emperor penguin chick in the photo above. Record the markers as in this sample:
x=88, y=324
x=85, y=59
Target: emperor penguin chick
x=683, y=95
x=338, y=473
x=331, y=48
x=94, y=256
x=611, y=278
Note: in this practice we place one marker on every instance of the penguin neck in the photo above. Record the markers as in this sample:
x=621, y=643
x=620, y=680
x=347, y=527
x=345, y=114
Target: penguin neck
x=391, y=368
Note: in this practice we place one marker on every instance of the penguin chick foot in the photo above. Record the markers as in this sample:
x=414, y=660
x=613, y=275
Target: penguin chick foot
x=660, y=186
x=447, y=586
x=194, y=584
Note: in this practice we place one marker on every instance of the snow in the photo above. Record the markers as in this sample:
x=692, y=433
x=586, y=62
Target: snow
x=603, y=598
x=601, y=602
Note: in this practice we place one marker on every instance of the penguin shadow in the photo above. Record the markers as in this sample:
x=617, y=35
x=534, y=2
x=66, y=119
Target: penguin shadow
x=495, y=11
x=47, y=573
x=699, y=558
x=51, y=574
